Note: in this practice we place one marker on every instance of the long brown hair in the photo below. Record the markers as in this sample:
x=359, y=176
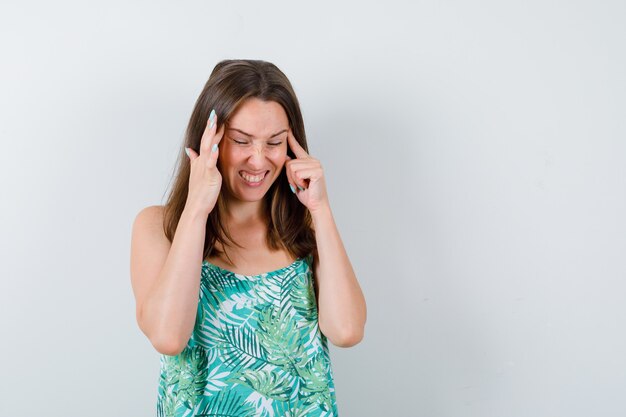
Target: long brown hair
x=231, y=82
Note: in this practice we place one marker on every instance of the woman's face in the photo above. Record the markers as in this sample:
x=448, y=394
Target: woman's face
x=254, y=148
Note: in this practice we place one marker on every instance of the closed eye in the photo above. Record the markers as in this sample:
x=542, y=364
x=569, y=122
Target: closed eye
x=245, y=143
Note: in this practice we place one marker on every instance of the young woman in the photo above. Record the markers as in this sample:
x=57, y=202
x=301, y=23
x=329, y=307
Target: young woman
x=241, y=277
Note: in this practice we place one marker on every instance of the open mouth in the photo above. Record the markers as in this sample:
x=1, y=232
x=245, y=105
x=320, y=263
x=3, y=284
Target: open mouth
x=253, y=179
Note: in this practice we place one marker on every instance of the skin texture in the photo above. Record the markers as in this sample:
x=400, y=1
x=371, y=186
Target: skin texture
x=262, y=151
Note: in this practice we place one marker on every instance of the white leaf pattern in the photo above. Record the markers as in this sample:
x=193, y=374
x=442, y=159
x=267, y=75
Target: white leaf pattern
x=256, y=349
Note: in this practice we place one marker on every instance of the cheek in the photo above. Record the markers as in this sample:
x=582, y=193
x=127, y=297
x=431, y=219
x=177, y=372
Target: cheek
x=232, y=154
x=227, y=158
x=278, y=155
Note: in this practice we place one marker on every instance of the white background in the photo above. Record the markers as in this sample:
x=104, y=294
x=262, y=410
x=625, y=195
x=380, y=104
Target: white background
x=474, y=155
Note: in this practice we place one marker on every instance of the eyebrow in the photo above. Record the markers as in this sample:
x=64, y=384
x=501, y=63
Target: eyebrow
x=248, y=134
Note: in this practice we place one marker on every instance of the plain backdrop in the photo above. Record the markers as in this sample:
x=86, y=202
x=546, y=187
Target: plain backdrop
x=474, y=155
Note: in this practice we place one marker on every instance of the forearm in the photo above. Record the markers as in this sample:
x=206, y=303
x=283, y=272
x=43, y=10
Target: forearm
x=341, y=304
x=169, y=312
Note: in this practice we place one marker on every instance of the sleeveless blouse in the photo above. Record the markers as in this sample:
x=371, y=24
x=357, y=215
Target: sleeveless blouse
x=255, y=350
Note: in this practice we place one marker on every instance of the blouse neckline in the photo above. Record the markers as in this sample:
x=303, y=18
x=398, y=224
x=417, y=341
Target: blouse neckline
x=205, y=262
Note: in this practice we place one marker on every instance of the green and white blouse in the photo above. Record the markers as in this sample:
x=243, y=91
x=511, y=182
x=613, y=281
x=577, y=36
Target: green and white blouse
x=256, y=349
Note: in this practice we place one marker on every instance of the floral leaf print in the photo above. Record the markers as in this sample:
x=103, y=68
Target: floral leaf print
x=265, y=407
x=314, y=383
x=255, y=350
x=227, y=403
x=241, y=348
x=271, y=289
x=298, y=411
x=241, y=301
x=227, y=281
x=303, y=298
x=213, y=317
x=217, y=378
x=280, y=338
x=268, y=383
x=186, y=374
x=274, y=288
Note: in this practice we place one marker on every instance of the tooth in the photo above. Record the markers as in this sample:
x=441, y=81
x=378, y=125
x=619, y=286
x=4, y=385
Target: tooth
x=249, y=178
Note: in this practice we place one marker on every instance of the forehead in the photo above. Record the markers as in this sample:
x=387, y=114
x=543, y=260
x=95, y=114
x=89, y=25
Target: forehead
x=259, y=118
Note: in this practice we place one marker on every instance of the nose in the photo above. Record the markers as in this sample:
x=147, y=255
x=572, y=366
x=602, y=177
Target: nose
x=257, y=154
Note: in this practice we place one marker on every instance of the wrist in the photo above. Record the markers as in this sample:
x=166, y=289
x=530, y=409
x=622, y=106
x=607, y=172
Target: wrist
x=321, y=213
x=194, y=215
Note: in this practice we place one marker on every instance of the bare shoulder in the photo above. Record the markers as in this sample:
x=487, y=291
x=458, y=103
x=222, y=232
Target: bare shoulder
x=148, y=233
x=150, y=215
x=149, y=249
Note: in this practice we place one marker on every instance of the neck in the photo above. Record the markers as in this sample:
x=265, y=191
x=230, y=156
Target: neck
x=245, y=212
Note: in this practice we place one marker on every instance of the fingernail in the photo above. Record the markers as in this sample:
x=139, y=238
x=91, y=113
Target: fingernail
x=293, y=190
x=212, y=118
x=214, y=148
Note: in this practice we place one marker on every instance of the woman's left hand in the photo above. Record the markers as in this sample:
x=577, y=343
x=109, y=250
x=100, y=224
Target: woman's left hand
x=306, y=176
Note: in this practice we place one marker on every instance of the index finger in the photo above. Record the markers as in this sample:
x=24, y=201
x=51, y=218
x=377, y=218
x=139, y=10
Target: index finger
x=298, y=150
x=211, y=136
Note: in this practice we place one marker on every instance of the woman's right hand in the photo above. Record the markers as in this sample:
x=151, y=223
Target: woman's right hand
x=205, y=180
